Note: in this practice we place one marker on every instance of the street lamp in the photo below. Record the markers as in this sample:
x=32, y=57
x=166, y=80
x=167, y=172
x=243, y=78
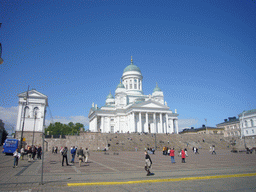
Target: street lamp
x=23, y=123
x=35, y=114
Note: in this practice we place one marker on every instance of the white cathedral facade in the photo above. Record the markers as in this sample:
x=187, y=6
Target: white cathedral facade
x=130, y=111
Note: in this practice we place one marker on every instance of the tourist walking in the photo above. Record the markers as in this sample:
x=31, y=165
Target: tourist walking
x=148, y=163
x=16, y=155
x=213, y=150
x=80, y=154
x=183, y=156
x=22, y=152
x=86, y=155
x=172, y=155
x=64, y=156
x=39, y=152
x=29, y=153
x=73, y=153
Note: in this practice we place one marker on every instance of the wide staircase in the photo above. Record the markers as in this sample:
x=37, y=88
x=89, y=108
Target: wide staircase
x=131, y=142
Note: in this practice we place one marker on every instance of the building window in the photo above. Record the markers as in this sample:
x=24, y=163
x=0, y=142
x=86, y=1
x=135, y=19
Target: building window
x=112, y=129
x=135, y=86
x=139, y=85
x=130, y=84
x=245, y=123
x=252, y=123
x=112, y=119
x=246, y=131
x=252, y=130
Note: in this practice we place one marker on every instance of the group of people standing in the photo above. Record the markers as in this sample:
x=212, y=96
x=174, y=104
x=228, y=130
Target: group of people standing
x=31, y=152
x=82, y=155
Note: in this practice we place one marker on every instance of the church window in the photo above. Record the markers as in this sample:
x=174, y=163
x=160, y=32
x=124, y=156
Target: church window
x=252, y=130
x=245, y=123
x=246, y=131
x=139, y=85
x=26, y=111
x=112, y=129
x=252, y=123
x=135, y=86
x=130, y=84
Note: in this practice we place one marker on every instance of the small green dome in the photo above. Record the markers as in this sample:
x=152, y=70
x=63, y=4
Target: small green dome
x=110, y=96
x=132, y=67
x=157, y=88
x=120, y=85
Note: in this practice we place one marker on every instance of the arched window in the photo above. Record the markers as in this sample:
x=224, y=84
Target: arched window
x=135, y=83
x=130, y=84
x=26, y=111
x=35, y=112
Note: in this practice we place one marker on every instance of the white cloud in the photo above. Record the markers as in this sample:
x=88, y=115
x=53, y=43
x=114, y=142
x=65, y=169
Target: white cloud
x=183, y=123
x=9, y=117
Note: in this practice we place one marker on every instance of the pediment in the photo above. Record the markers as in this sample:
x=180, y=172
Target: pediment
x=33, y=94
x=151, y=104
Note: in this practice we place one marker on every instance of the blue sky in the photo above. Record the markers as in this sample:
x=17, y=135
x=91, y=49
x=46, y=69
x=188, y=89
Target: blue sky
x=201, y=54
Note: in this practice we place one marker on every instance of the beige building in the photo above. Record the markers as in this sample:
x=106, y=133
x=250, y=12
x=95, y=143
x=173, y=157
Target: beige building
x=204, y=130
x=231, y=127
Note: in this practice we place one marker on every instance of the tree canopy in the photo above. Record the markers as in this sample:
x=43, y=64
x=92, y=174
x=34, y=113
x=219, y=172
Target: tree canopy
x=64, y=129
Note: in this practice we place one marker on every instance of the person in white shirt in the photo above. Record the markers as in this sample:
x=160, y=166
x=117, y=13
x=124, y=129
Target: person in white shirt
x=16, y=155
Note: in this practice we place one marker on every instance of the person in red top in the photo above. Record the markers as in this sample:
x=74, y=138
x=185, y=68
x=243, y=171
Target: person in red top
x=183, y=156
x=172, y=155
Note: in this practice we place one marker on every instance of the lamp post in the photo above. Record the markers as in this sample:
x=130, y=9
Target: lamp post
x=23, y=123
x=35, y=114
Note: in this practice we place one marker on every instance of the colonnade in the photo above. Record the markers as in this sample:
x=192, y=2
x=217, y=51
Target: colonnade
x=148, y=122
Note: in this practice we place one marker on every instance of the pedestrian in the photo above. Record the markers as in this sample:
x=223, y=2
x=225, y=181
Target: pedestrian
x=168, y=152
x=172, y=155
x=53, y=150
x=29, y=153
x=80, y=154
x=33, y=152
x=87, y=154
x=73, y=153
x=39, y=152
x=148, y=163
x=213, y=150
x=183, y=156
x=64, y=156
x=16, y=155
x=22, y=152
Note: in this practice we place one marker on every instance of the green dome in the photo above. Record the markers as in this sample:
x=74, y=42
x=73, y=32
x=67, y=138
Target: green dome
x=157, y=88
x=120, y=85
x=132, y=67
x=110, y=96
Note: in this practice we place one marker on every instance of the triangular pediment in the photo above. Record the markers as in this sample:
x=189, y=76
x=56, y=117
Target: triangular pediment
x=150, y=104
x=33, y=94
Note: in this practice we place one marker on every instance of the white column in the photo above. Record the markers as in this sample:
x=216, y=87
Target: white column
x=109, y=124
x=140, y=84
x=167, y=124
x=161, y=123
x=102, y=124
x=154, y=119
x=133, y=121
x=132, y=83
x=137, y=83
x=146, y=123
x=176, y=126
x=96, y=124
x=171, y=126
x=118, y=124
x=140, y=123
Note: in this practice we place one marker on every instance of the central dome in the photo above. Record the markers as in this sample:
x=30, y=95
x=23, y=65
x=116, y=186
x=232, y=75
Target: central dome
x=132, y=67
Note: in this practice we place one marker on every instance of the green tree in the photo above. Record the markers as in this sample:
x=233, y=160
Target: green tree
x=65, y=129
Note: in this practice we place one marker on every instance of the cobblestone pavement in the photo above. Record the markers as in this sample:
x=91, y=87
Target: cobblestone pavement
x=129, y=166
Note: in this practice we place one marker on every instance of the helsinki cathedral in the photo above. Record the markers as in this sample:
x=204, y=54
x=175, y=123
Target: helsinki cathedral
x=130, y=111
